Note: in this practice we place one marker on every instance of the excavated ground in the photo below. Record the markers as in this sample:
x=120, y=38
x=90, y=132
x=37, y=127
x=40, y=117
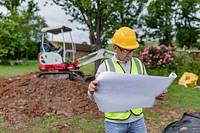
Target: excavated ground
x=27, y=96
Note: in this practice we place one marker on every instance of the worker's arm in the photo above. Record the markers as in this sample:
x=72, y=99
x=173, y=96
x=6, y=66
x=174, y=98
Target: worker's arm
x=93, y=87
x=161, y=96
x=94, y=84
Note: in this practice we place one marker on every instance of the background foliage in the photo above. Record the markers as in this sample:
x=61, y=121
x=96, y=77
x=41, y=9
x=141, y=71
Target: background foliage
x=20, y=30
x=168, y=21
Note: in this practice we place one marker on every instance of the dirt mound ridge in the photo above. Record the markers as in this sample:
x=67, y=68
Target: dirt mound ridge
x=28, y=95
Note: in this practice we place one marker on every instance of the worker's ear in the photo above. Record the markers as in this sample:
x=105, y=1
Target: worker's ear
x=115, y=48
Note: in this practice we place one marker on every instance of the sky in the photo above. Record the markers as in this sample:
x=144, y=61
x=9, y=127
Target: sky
x=55, y=16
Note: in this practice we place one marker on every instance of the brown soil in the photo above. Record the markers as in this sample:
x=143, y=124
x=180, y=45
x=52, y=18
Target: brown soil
x=27, y=96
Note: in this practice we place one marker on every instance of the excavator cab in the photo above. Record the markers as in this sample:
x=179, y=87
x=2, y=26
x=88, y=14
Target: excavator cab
x=55, y=60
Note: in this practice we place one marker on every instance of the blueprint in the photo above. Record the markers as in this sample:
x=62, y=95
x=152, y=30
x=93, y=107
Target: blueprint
x=118, y=92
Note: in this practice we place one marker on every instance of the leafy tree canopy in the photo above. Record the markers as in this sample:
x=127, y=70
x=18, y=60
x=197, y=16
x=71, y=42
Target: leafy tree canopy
x=20, y=27
x=102, y=17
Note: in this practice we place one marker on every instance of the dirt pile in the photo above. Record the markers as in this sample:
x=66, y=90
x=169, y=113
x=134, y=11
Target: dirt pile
x=28, y=95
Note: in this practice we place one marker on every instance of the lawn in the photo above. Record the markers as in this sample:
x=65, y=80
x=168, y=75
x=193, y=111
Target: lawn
x=179, y=100
x=13, y=70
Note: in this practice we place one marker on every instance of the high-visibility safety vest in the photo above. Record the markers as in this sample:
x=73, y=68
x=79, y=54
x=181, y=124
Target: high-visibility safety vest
x=136, y=68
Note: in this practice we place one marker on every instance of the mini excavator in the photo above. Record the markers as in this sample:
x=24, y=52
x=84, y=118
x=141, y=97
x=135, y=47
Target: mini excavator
x=59, y=61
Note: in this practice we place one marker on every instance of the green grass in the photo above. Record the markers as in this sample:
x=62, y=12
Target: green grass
x=43, y=124
x=32, y=66
x=3, y=130
x=13, y=70
x=148, y=43
x=2, y=120
x=154, y=115
x=177, y=97
x=88, y=124
x=87, y=69
x=180, y=96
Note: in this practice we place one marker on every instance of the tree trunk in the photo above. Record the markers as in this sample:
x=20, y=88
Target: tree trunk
x=98, y=33
x=98, y=62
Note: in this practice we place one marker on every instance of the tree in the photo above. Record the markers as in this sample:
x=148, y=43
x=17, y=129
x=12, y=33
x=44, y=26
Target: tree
x=159, y=20
x=187, y=22
x=10, y=38
x=124, y=13
x=198, y=40
x=28, y=23
x=12, y=5
x=31, y=25
x=102, y=17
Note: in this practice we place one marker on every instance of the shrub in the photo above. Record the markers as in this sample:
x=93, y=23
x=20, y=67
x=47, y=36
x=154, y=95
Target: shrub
x=158, y=56
x=187, y=62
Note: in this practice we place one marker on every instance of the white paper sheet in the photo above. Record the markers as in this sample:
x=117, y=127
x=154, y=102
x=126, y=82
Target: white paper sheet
x=119, y=92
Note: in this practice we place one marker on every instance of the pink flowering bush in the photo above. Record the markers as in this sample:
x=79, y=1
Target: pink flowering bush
x=157, y=56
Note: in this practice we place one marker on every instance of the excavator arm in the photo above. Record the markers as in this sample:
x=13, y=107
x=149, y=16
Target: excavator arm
x=97, y=55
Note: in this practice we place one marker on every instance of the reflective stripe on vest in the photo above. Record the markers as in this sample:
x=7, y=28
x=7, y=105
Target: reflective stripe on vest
x=136, y=68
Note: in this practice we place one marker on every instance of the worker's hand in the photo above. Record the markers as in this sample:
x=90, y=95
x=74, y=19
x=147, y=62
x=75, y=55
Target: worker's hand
x=161, y=96
x=93, y=86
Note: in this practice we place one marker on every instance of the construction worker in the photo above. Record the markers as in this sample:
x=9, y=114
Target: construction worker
x=125, y=43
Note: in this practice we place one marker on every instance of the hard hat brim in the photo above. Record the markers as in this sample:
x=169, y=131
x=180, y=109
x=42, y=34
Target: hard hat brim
x=135, y=46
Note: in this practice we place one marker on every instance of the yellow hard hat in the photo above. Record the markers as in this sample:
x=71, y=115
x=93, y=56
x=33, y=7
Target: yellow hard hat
x=125, y=38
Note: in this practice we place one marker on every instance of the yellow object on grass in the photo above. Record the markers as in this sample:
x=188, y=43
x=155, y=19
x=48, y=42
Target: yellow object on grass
x=188, y=79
